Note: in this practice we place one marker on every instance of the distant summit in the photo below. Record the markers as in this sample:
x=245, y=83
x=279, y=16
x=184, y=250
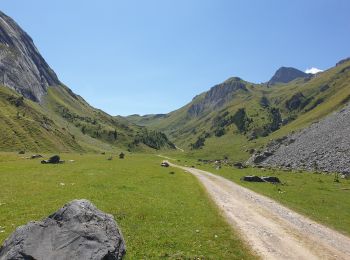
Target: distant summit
x=286, y=74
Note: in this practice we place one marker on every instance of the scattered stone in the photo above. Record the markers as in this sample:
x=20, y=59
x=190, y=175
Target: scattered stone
x=35, y=156
x=252, y=178
x=271, y=179
x=238, y=165
x=77, y=231
x=53, y=160
x=164, y=164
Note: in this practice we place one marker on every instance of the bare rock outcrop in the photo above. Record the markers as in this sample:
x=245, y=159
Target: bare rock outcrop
x=22, y=68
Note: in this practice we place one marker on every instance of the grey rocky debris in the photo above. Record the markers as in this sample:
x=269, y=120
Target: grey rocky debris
x=77, y=231
x=323, y=146
x=22, y=68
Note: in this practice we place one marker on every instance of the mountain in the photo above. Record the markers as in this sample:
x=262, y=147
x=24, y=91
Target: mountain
x=236, y=117
x=286, y=75
x=39, y=113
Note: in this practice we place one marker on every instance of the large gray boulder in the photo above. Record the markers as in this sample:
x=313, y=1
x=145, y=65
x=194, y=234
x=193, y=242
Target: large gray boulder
x=77, y=231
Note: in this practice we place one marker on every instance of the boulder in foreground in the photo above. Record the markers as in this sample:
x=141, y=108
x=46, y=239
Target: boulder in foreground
x=77, y=231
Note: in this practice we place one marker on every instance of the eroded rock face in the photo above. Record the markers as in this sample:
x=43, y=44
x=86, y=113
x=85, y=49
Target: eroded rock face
x=218, y=95
x=77, y=231
x=22, y=68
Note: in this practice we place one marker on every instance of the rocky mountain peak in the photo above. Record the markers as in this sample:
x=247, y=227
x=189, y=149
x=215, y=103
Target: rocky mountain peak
x=218, y=95
x=22, y=68
x=286, y=74
x=342, y=61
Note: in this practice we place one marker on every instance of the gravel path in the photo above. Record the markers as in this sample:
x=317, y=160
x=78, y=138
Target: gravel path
x=272, y=230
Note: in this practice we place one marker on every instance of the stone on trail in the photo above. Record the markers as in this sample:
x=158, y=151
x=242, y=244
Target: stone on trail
x=77, y=231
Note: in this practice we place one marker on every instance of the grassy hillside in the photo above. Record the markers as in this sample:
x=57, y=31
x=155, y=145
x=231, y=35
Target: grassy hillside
x=65, y=122
x=163, y=213
x=235, y=116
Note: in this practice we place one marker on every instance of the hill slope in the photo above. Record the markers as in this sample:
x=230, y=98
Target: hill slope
x=39, y=113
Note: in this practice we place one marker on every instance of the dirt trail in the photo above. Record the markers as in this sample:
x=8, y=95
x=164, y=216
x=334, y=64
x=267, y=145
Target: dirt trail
x=272, y=230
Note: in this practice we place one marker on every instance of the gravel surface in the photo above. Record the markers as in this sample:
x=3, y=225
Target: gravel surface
x=272, y=230
x=323, y=146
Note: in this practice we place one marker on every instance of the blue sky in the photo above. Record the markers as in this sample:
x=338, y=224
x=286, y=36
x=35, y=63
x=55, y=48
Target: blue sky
x=151, y=56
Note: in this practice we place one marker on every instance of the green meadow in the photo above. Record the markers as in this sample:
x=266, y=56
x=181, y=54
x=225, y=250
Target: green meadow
x=163, y=213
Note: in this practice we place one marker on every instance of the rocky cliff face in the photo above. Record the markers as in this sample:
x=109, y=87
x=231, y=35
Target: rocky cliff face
x=285, y=75
x=22, y=68
x=218, y=95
